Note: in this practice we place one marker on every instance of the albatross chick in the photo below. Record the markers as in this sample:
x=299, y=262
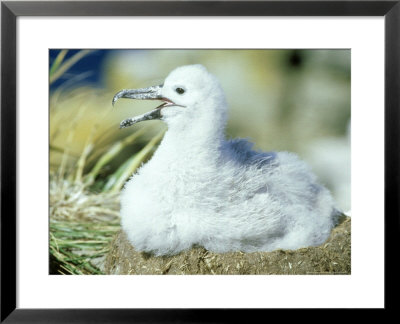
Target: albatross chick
x=200, y=189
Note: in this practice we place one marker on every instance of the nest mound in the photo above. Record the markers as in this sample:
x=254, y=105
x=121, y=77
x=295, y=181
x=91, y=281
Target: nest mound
x=333, y=257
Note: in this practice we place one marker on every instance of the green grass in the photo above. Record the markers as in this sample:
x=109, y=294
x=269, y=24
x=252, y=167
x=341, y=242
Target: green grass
x=79, y=247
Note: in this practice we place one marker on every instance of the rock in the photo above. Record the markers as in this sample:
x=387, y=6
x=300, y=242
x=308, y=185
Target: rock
x=333, y=257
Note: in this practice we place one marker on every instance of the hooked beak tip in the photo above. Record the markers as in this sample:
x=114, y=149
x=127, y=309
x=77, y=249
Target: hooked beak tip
x=116, y=97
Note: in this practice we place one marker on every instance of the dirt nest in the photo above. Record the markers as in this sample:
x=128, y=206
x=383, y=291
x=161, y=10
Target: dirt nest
x=333, y=257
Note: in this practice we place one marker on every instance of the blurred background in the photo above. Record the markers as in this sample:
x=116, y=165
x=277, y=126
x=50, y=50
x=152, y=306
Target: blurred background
x=294, y=100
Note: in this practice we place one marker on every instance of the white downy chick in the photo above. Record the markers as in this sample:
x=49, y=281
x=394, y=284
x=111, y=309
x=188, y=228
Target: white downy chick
x=201, y=189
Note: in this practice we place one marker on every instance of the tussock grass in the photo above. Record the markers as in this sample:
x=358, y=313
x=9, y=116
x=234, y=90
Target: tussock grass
x=78, y=247
x=87, y=173
x=81, y=225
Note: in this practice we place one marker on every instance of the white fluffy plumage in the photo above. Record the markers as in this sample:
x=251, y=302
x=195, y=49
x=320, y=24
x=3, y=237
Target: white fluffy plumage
x=201, y=189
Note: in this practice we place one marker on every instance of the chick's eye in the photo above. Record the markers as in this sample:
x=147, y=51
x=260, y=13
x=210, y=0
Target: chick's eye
x=180, y=90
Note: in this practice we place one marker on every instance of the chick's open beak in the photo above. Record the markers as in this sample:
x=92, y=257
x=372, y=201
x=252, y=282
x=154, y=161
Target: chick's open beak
x=150, y=93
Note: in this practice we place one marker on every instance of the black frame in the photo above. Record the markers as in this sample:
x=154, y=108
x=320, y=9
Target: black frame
x=10, y=10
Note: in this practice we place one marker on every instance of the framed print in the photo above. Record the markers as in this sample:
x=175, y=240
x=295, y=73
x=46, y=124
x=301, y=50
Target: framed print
x=309, y=62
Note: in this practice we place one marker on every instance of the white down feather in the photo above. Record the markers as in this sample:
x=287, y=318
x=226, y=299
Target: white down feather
x=200, y=189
